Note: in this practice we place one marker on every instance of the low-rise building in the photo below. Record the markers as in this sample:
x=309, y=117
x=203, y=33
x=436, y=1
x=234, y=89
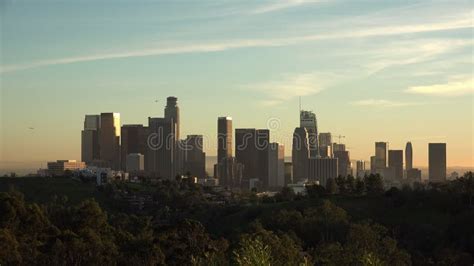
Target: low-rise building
x=59, y=167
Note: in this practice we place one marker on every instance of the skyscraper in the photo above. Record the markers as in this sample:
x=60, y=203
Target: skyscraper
x=300, y=154
x=90, y=150
x=344, y=162
x=325, y=145
x=409, y=156
x=229, y=172
x=263, y=145
x=172, y=113
x=309, y=122
x=134, y=140
x=276, y=165
x=246, y=151
x=437, y=162
x=161, y=143
x=321, y=169
x=195, y=158
x=325, y=139
x=338, y=147
x=380, y=156
x=395, y=163
x=224, y=138
x=109, y=139
x=360, y=168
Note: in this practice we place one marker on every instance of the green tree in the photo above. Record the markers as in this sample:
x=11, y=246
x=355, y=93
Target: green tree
x=466, y=183
x=374, y=184
x=188, y=242
x=359, y=186
x=331, y=186
x=252, y=252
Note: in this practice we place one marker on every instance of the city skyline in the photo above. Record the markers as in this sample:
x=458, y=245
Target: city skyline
x=408, y=80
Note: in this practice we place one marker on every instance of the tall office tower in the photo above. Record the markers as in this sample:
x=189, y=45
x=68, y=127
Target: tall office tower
x=325, y=145
x=395, y=163
x=134, y=140
x=195, y=158
x=360, y=168
x=172, y=113
x=380, y=156
x=325, y=139
x=437, y=162
x=309, y=122
x=300, y=154
x=224, y=138
x=109, y=139
x=246, y=151
x=344, y=162
x=373, y=169
x=263, y=145
x=134, y=162
x=288, y=173
x=276, y=164
x=90, y=139
x=321, y=169
x=326, y=151
x=409, y=156
x=161, y=143
x=229, y=172
x=339, y=147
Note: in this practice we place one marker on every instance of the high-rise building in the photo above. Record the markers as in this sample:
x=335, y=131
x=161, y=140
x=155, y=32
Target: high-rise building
x=161, y=143
x=276, y=164
x=309, y=122
x=134, y=140
x=373, y=164
x=414, y=175
x=224, y=138
x=437, y=162
x=395, y=163
x=172, y=113
x=409, y=156
x=134, y=162
x=325, y=145
x=109, y=139
x=380, y=156
x=229, y=172
x=339, y=147
x=288, y=173
x=246, y=151
x=321, y=169
x=344, y=162
x=300, y=154
x=90, y=150
x=195, y=158
x=263, y=145
x=360, y=168
x=325, y=139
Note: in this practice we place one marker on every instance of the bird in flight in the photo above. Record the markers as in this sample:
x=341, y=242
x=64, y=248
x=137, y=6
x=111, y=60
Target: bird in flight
x=32, y=128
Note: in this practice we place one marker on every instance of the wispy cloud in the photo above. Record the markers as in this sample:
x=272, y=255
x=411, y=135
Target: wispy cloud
x=291, y=86
x=450, y=89
x=413, y=52
x=281, y=4
x=383, y=103
x=217, y=46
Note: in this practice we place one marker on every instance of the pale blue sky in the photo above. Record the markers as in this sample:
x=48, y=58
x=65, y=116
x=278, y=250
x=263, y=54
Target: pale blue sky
x=372, y=70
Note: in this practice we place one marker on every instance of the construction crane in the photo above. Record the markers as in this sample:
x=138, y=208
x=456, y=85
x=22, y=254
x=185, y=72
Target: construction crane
x=339, y=137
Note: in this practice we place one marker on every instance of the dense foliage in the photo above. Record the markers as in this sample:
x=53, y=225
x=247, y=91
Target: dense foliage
x=354, y=222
